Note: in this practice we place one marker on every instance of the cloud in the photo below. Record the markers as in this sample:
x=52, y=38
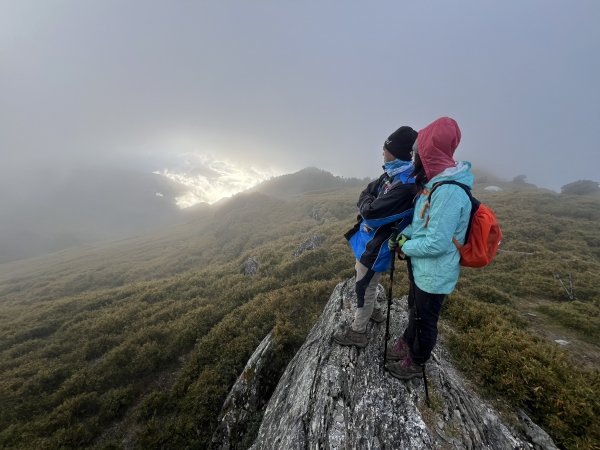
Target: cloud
x=209, y=179
x=288, y=87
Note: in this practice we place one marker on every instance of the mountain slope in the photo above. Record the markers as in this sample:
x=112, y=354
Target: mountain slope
x=102, y=204
x=88, y=206
x=138, y=343
x=306, y=180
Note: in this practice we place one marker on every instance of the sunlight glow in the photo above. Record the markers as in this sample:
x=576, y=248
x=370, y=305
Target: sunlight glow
x=209, y=179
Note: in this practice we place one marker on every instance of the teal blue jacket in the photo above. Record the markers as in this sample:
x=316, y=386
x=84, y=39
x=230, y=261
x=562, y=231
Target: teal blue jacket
x=434, y=257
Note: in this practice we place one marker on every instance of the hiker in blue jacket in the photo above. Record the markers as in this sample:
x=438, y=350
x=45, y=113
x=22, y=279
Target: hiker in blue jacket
x=384, y=202
x=433, y=258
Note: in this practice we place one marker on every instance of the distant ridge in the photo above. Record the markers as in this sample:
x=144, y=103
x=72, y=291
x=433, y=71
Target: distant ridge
x=306, y=180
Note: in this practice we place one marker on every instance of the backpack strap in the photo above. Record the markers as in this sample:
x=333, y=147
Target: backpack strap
x=465, y=188
x=423, y=192
x=474, y=204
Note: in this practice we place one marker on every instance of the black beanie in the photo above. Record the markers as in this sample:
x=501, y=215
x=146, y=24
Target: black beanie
x=400, y=143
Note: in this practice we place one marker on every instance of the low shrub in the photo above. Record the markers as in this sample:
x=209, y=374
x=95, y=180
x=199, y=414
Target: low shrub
x=529, y=372
x=582, y=318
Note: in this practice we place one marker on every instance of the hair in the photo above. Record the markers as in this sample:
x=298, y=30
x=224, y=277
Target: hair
x=419, y=172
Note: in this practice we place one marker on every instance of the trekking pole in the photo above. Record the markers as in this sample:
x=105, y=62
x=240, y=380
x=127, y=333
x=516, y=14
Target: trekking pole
x=427, y=402
x=389, y=305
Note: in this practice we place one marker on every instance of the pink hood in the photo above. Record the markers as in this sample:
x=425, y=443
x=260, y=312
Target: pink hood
x=436, y=144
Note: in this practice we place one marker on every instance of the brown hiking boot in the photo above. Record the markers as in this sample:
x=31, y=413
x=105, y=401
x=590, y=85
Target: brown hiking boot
x=351, y=337
x=399, y=351
x=377, y=316
x=405, y=369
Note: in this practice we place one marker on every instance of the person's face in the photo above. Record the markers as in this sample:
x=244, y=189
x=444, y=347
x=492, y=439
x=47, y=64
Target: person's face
x=387, y=156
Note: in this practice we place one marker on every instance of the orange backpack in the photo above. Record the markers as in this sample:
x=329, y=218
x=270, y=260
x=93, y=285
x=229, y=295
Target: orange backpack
x=483, y=236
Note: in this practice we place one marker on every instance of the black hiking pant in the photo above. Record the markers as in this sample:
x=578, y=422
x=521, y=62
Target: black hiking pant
x=423, y=314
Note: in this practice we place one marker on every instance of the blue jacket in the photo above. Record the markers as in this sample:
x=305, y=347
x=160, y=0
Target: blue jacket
x=434, y=257
x=384, y=202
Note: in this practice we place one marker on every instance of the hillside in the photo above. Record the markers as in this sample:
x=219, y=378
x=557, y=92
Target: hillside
x=103, y=204
x=137, y=343
x=306, y=180
x=96, y=204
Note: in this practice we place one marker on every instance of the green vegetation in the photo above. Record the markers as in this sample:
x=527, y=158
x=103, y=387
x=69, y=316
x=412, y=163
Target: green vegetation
x=545, y=235
x=98, y=343
x=583, y=317
x=581, y=187
x=490, y=344
x=137, y=343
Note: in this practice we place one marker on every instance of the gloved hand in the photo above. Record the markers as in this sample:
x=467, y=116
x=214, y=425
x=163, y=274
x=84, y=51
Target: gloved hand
x=398, y=241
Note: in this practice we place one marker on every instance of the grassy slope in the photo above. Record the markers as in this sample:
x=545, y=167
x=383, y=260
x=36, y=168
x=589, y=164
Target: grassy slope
x=139, y=341
x=496, y=310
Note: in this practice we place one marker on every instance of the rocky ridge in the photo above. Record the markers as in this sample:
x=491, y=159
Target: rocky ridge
x=334, y=397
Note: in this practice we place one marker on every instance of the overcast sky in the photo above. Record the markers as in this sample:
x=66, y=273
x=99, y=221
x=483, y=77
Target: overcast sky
x=280, y=85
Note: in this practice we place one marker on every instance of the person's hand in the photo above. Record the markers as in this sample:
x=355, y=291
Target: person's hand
x=397, y=242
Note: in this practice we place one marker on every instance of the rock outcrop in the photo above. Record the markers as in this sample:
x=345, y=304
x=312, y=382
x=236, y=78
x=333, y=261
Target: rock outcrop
x=334, y=397
x=250, y=267
x=310, y=244
x=243, y=409
x=493, y=188
x=317, y=214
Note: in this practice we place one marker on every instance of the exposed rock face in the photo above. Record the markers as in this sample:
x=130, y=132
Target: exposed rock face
x=316, y=214
x=250, y=267
x=310, y=244
x=334, y=397
x=244, y=406
x=493, y=188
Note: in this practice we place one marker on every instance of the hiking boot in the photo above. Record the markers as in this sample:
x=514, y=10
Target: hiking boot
x=405, y=369
x=351, y=337
x=399, y=351
x=377, y=316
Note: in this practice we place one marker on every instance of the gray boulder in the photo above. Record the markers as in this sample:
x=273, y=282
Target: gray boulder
x=250, y=267
x=310, y=244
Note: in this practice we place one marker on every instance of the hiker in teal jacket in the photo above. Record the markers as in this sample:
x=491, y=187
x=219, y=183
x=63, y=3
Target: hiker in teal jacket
x=427, y=243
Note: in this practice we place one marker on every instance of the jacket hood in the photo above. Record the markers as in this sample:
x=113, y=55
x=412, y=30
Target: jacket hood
x=461, y=173
x=436, y=144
